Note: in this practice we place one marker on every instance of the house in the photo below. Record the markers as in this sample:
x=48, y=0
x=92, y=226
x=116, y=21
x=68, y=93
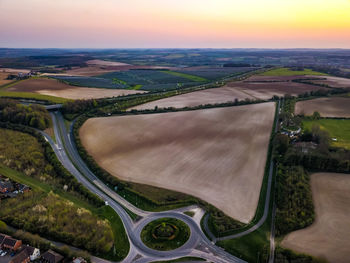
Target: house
x=33, y=252
x=2, y=238
x=51, y=257
x=22, y=257
x=6, y=186
x=11, y=244
x=79, y=260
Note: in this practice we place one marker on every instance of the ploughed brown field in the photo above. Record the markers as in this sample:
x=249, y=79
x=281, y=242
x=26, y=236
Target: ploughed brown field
x=334, y=82
x=218, y=155
x=56, y=88
x=266, y=90
x=208, y=96
x=265, y=87
x=327, y=107
x=329, y=235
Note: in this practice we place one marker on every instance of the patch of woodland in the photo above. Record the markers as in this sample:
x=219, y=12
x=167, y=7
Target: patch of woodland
x=35, y=116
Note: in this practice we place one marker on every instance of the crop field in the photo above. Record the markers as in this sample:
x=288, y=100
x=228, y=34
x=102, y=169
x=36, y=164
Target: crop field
x=152, y=79
x=266, y=90
x=89, y=71
x=208, y=96
x=218, y=155
x=91, y=82
x=327, y=107
x=289, y=72
x=107, y=63
x=214, y=73
x=329, y=236
x=52, y=87
x=338, y=129
x=334, y=82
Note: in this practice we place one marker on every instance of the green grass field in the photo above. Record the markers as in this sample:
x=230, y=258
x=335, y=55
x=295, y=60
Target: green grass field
x=186, y=76
x=289, y=72
x=337, y=128
x=28, y=95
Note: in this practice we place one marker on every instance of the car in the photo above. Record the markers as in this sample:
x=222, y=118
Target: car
x=3, y=254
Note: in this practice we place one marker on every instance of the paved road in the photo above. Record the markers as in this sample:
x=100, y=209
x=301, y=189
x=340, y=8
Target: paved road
x=272, y=236
x=263, y=218
x=198, y=245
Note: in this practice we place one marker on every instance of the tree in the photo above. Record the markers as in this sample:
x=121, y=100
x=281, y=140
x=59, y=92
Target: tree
x=316, y=115
x=281, y=143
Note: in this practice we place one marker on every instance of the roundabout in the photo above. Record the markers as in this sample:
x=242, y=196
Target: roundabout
x=165, y=234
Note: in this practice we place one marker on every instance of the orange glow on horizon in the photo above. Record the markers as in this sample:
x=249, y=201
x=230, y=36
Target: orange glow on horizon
x=170, y=23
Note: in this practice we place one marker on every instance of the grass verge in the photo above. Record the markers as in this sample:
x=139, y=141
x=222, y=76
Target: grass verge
x=121, y=242
x=253, y=247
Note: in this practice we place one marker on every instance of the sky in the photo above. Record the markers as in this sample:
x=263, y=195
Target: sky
x=175, y=23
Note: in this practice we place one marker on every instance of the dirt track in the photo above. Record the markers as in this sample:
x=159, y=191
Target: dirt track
x=55, y=88
x=208, y=96
x=218, y=154
x=329, y=235
x=327, y=107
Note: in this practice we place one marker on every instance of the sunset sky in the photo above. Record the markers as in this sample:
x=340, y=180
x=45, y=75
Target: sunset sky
x=175, y=23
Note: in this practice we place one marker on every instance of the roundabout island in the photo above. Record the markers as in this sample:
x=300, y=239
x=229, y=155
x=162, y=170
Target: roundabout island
x=165, y=234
